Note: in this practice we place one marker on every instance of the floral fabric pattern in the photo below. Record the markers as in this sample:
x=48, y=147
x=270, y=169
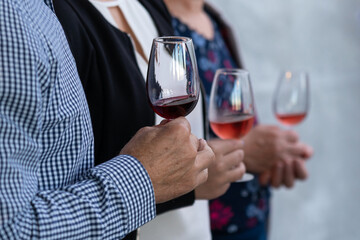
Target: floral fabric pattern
x=242, y=212
x=220, y=214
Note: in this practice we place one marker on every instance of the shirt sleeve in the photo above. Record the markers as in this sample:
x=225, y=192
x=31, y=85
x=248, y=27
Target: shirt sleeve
x=110, y=201
x=104, y=202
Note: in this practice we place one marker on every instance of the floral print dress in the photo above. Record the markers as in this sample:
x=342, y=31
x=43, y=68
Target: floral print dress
x=242, y=212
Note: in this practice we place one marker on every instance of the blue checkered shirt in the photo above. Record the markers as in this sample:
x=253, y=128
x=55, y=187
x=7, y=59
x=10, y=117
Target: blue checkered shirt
x=49, y=188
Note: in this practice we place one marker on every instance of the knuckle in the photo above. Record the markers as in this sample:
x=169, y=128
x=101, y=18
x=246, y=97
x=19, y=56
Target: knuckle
x=177, y=130
x=274, y=132
x=293, y=134
x=240, y=155
x=288, y=162
x=290, y=184
x=183, y=127
x=237, y=158
x=276, y=185
x=145, y=129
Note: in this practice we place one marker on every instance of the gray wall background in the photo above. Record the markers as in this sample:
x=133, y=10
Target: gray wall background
x=322, y=37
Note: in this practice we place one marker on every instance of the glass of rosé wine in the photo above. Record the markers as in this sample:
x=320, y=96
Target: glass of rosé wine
x=231, y=107
x=172, y=82
x=291, y=98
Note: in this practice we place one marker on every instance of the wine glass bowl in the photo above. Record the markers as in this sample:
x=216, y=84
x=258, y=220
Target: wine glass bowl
x=172, y=80
x=291, y=98
x=231, y=107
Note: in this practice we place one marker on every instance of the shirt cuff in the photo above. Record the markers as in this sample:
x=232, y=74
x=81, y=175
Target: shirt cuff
x=180, y=202
x=135, y=186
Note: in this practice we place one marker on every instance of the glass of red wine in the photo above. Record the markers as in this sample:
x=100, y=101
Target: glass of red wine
x=291, y=98
x=172, y=82
x=231, y=107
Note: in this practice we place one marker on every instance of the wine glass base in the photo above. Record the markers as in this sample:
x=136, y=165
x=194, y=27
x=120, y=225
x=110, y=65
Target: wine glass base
x=245, y=178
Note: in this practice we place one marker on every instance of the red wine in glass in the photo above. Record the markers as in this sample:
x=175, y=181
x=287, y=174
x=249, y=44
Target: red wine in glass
x=291, y=98
x=171, y=108
x=172, y=82
x=233, y=128
x=291, y=119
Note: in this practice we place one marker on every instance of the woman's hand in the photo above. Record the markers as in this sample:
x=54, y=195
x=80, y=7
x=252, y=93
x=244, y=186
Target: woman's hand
x=276, y=154
x=227, y=168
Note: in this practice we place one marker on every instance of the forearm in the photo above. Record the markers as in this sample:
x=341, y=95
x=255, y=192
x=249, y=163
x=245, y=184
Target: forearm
x=107, y=203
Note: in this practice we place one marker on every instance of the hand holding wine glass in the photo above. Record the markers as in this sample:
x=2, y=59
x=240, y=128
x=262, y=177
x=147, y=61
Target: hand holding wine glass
x=172, y=81
x=290, y=106
x=231, y=108
x=291, y=98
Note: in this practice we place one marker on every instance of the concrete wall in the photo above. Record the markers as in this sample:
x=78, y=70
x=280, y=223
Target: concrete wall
x=322, y=37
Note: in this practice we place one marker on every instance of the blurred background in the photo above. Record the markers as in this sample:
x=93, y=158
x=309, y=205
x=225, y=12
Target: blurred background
x=323, y=38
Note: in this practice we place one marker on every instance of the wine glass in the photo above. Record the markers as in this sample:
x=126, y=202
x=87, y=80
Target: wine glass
x=231, y=107
x=172, y=82
x=291, y=98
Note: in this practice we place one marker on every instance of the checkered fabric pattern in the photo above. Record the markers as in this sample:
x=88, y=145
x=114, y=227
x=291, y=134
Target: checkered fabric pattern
x=49, y=188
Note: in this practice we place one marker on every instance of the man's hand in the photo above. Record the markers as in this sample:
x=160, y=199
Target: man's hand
x=175, y=159
x=227, y=168
x=277, y=154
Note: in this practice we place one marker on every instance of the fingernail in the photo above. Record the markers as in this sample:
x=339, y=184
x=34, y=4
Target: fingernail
x=203, y=141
